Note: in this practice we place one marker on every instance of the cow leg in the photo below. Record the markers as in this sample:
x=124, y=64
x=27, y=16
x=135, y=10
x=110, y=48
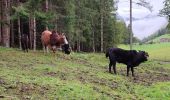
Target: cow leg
x=132, y=70
x=27, y=44
x=22, y=46
x=114, y=67
x=110, y=66
x=47, y=49
x=26, y=47
x=44, y=49
x=128, y=70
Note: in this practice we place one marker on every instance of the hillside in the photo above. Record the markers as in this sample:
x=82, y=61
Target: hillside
x=162, y=38
x=39, y=76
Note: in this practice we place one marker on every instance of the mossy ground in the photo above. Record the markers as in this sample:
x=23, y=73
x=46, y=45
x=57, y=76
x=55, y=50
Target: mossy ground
x=39, y=76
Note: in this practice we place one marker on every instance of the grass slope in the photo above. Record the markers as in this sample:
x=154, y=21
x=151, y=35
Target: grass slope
x=157, y=39
x=37, y=76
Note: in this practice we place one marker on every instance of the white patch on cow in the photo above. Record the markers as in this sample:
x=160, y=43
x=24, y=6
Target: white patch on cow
x=59, y=48
x=65, y=40
x=54, y=47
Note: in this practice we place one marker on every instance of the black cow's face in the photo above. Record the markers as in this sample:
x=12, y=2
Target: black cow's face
x=145, y=55
x=66, y=48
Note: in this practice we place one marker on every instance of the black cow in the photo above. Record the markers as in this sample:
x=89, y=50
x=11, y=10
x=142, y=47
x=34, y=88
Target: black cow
x=131, y=58
x=24, y=42
x=66, y=48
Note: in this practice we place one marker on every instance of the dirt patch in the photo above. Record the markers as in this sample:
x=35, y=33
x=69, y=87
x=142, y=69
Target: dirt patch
x=87, y=78
x=2, y=81
x=148, y=78
x=51, y=73
x=61, y=75
x=24, y=91
x=28, y=88
x=161, y=70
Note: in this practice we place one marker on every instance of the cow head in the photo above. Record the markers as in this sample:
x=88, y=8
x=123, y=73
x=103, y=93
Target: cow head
x=65, y=47
x=145, y=55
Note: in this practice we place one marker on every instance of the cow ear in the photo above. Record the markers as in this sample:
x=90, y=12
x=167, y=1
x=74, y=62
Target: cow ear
x=146, y=54
x=134, y=51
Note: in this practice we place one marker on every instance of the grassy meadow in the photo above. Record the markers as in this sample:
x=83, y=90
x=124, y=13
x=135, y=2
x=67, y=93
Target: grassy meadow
x=39, y=76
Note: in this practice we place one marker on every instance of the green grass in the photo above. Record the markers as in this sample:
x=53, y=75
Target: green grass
x=156, y=91
x=39, y=76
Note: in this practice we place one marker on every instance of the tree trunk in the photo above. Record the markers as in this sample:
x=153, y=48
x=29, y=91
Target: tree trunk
x=12, y=42
x=34, y=34
x=0, y=22
x=93, y=42
x=6, y=24
x=31, y=32
x=131, y=33
x=78, y=45
x=46, y=10
x=101, y=31
x=12, y=34
x=19, y=31
x=0, y=34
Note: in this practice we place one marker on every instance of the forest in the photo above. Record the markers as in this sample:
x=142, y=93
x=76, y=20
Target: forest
x=90, y=25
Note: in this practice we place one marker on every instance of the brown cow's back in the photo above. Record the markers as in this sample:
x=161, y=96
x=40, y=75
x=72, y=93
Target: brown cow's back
x=45, y=37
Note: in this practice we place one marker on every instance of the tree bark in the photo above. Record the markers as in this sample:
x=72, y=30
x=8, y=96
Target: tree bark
x=46, y=10
x=101, y=31
x=0, y=22
x=101, y=23
x=19, y=31
x=6, y=24
x=32, y=31
x=93, y=42
x=12, y=42
x=12, y=33
x=78, y=44
x=34, y=34
x=131, y=33
x=31, y=36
